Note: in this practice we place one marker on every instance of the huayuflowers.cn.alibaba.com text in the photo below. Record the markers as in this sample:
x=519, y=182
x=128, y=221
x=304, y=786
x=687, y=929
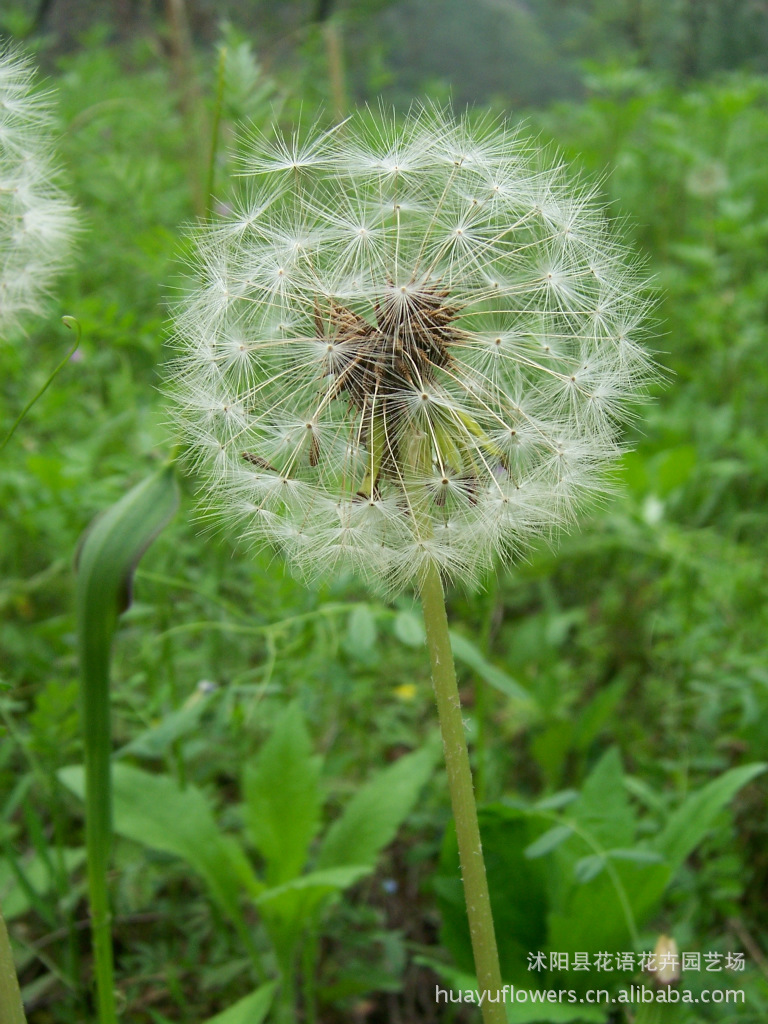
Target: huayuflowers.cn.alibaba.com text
x=636, y=994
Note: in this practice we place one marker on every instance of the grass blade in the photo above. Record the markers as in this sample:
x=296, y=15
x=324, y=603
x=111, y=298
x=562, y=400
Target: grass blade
x=11, y=1009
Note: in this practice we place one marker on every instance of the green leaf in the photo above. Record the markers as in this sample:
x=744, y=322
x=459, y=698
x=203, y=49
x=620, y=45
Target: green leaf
x=467, y=653
x=556, y=800
x=251, y=1010
x=602, y=908
x=289, y=909
x=282, y=798
x=155, y=742
x=518, y=893
x=38, y=877
x=550, y=840
x=361, y=631
x=409, y=629
x=689, y=824
x=11, y=1006
x=327, y=881
x=636, y=855
x=603, y=808
x=374, y=814
x=598, y=901
x=152, y=810
x=114, y=543
x=587, y=868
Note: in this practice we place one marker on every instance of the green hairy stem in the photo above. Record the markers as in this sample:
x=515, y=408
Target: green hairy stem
x=462, y=798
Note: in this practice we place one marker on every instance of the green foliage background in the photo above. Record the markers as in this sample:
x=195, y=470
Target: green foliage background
x=608, y=687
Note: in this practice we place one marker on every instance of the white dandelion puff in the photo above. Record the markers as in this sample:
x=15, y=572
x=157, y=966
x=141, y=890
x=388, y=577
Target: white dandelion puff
x=412, y=344
x=37, y=223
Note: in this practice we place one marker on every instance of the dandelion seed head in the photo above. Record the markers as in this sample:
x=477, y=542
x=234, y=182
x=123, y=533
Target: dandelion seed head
x=412, y=343
x=37, y=223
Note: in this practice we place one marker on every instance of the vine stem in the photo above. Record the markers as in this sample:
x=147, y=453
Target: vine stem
x=462, y=799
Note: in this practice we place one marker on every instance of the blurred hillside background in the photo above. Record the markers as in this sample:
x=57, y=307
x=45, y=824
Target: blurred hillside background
x=616, y=689
x=516, y=52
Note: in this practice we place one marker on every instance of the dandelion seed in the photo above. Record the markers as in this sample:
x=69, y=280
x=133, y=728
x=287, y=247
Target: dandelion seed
x=37, y=224
x=412, y=346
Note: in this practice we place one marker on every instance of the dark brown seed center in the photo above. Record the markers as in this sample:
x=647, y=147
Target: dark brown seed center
x=410, y=340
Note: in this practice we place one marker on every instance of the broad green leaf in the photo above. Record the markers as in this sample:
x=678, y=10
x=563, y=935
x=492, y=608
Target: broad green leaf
x=604, y=906
x=603, y=808
x=374, y=814
x=467, y=653
x=689, y=824
x=282, y=798
x=253, y=1009
x=597, y=903
x=550, y=840
x=518, y=888
x=152, y=810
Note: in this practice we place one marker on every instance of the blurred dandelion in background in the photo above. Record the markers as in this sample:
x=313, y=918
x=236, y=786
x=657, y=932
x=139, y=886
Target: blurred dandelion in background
x=413, y=345
x=37, y=222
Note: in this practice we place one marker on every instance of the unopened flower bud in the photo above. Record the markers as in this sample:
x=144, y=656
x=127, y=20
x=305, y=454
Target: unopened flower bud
x=667, y=961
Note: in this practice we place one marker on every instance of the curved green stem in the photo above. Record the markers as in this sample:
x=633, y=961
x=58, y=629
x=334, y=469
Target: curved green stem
x=72, y=324
x=462, y=799
x=106, y=561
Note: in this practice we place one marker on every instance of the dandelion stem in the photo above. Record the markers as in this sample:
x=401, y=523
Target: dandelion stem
x=462, y=798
